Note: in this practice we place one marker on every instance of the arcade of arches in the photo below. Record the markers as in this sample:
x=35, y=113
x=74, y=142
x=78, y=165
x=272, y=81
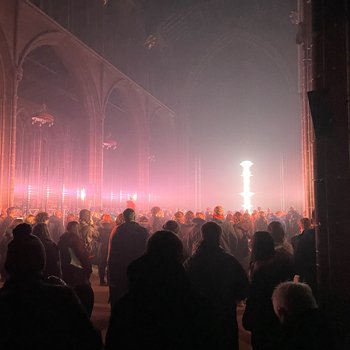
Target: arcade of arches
x=56, y=92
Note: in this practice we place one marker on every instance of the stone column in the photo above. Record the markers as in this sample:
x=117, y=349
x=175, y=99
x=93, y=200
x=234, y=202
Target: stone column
x=330, y=21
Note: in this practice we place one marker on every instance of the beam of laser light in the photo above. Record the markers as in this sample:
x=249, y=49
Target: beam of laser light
x=246, y=194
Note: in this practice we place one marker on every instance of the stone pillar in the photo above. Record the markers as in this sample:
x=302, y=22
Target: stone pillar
x=330, y=21
x=8, y=137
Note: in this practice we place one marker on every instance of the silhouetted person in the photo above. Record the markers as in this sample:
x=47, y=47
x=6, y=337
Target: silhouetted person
x=37, y=315
x=173, y=226
x=42, y=217
x=304, y=225
x=265, y=273
x=88, y=234
x=160, y=311
x=76, y=265
x=219, y=277
x=56, y=227
x=144, y=222
x=305, y=258
x=4, y=242
x=156, y=220
x=261, y=222
x=303, y=325
x=186, y=229
x=276, y=229
x=228, y=240
x=105, y=229
x=4, y=237
x=11, y=214
x=128, y=243
x=53, y=264
x=195, y=236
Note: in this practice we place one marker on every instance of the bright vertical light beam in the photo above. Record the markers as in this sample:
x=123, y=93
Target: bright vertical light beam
x=246, y=194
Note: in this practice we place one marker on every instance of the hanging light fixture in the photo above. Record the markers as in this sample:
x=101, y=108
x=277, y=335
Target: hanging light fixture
x=43, y=117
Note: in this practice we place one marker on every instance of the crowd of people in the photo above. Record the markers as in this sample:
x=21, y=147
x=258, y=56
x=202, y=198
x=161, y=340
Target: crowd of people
x=174, y=278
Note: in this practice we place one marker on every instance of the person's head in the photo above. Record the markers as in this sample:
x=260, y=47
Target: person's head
x=73, y=227
x=277, y=232
x=30, y=219
x=189, y=216
x=58, y=214
x=179, y=217
x=305, y=224
x=229, y=217
x=292, y=299
x=211, y=233
x=200, y=215
x=41, y=230
x=262, y=214
x=119, y=219
x=129, y=215
x=71, y=217
x=85, y=216
x=173, y=226
x=155, y=211
x=42, y=217
x=165, y=246
x=25, y=257
x=12, y=211
x=263, y=247
x=22, y=230
x=237, y=216
x=219, y=212
x=106, y=219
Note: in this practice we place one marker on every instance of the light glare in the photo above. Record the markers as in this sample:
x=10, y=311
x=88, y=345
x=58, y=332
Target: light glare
x=246, y=194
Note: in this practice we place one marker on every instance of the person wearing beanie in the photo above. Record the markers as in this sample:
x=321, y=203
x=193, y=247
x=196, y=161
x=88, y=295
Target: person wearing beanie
x=35, y=314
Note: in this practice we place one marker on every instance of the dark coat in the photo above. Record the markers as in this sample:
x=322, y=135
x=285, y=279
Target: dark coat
x=36, y=315
x=53, y=263
x=219, y=277
x=128, y=244
x=305, y=258
x=259, y=316
x=104, y=234
x=307, y=331
x=160, y=311
x=71, y=246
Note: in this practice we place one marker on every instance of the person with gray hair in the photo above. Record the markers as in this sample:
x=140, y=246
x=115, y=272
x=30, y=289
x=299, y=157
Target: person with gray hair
x=303, y=325
x=291, y=298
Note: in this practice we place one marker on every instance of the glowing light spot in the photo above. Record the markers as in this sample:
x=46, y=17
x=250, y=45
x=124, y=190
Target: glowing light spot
x=246, y=194
x=82, y=194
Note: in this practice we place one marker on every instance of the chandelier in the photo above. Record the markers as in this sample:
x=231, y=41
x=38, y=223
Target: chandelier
x=42, y=117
